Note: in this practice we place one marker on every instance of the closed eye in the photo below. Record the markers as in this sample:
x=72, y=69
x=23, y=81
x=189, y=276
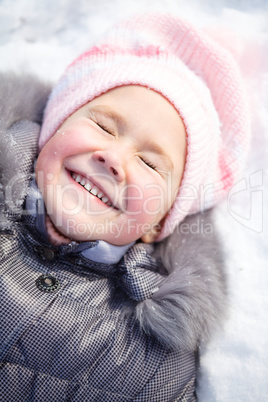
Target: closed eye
x=98, y=120
x=150, y=164
x=104, y=128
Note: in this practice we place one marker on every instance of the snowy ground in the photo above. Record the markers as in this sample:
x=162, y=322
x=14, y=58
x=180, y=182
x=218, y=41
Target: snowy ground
x=44, y=36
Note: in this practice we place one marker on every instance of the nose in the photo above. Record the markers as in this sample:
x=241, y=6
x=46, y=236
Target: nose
x=111, y=162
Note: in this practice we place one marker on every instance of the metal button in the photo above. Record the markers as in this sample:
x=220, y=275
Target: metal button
x=47, y=283
x=45, y=253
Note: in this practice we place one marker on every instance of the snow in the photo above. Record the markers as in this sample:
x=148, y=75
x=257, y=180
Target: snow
x=44, y=36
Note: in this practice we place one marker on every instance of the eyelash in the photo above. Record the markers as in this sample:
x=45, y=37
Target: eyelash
x=150, y=164
x=100, y=124
x=104, y=128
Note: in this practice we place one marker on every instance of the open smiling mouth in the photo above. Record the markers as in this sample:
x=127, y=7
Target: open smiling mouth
x=92, y=189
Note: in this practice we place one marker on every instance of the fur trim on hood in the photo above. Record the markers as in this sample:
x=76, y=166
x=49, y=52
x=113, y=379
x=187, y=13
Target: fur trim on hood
x=21, y=98
x=191, y=302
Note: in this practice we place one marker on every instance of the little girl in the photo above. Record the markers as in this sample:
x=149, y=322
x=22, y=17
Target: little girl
x=142, y=134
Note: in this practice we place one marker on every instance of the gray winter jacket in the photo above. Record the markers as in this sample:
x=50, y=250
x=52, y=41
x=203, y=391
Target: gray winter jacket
x=73, y=329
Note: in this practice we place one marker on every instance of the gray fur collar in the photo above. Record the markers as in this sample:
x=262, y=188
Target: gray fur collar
x=189, y=300
x=22, y=98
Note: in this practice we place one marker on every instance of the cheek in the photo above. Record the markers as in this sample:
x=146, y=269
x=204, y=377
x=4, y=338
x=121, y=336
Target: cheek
x=52, y=156
x=77, y=137
x=147, y=199
x=66, y=142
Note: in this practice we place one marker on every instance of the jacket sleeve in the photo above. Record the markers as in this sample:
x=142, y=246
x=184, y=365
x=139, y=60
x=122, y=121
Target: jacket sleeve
x=190, y=301
x=22, y=101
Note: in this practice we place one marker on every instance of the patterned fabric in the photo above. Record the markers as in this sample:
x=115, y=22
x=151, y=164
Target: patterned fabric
x=139, y=278
x=75, y=343
x=78, y=341
x=194, y=73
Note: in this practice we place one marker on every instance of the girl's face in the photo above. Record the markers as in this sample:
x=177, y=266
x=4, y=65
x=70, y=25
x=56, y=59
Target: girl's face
x=113, y=169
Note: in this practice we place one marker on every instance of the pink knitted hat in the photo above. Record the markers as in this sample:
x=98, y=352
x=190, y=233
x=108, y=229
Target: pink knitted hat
x=194, y=73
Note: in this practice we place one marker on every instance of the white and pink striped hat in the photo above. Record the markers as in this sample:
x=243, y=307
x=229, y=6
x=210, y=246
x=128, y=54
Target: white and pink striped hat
x=194, y=73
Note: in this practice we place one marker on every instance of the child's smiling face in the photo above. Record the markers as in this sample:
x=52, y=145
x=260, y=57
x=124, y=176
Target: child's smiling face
x=113, y=169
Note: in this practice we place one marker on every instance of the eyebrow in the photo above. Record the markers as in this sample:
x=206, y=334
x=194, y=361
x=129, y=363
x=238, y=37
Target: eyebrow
x=121, y=124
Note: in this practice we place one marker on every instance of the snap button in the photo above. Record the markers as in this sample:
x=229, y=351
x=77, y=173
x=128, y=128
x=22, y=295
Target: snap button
x=45, y=253
x=47, y=283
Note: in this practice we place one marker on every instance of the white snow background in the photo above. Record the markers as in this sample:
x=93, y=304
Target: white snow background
x=44, y=36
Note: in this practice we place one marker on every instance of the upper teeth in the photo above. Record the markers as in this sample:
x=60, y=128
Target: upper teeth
x=90, y=188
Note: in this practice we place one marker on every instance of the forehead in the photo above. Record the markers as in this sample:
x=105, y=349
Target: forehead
x=141, y=99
